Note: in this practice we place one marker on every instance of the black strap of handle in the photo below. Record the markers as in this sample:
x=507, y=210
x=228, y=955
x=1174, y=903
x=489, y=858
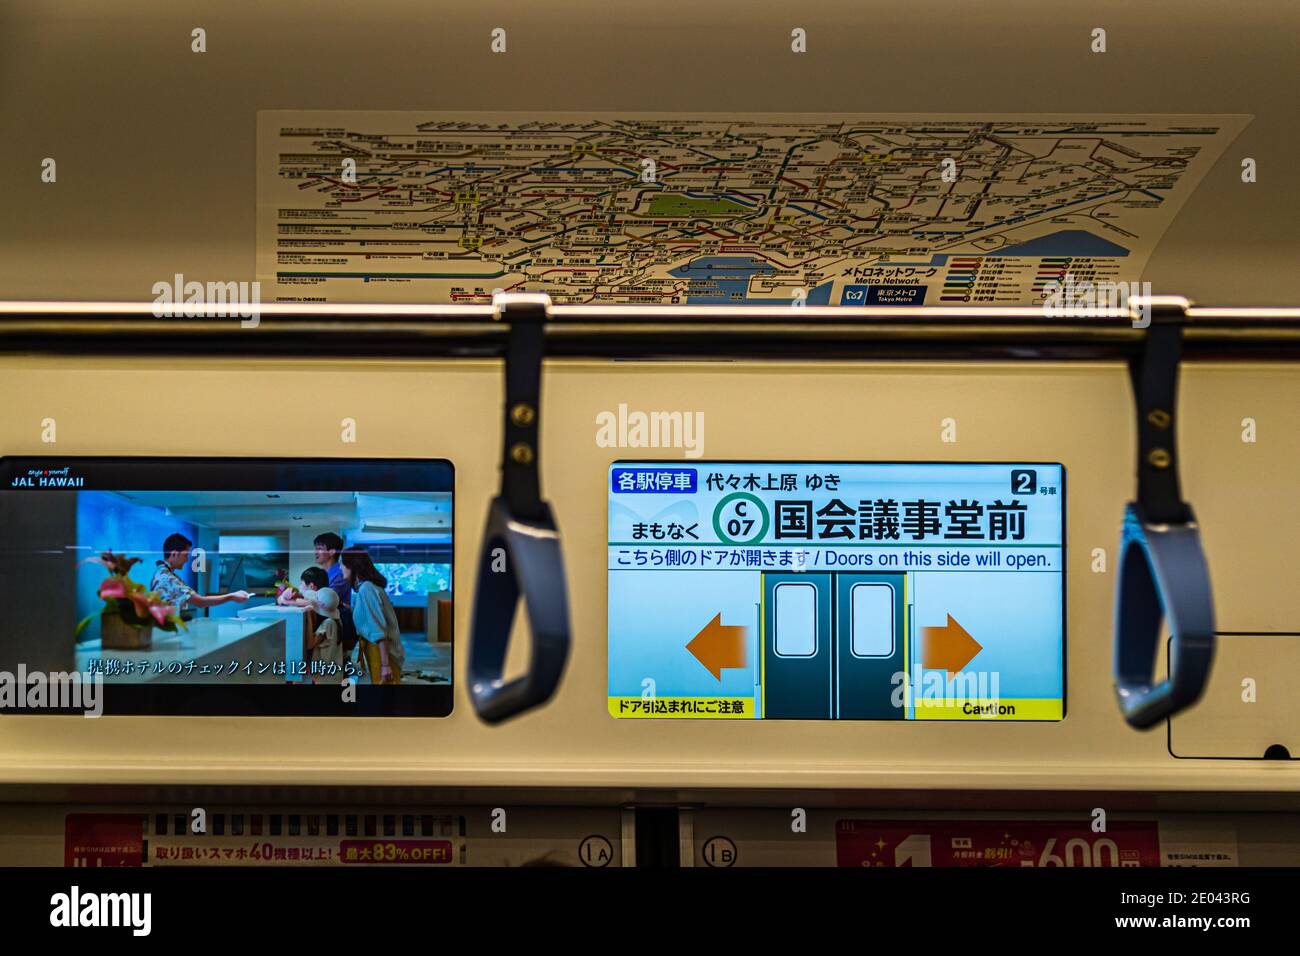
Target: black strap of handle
x=520, y=464
x=1154, y=373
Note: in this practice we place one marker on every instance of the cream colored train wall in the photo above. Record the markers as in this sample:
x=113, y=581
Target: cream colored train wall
x=1244, y=494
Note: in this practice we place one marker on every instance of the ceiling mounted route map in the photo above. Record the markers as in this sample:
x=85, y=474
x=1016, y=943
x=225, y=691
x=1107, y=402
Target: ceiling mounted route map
x=827, y=209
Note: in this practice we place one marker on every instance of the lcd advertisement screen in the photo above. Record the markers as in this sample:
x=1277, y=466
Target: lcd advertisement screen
x=229, y=586
x=837, y=591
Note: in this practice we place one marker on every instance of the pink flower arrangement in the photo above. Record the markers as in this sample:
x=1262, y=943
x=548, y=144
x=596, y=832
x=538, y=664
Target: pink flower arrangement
x=129, y=599
x=283, y=584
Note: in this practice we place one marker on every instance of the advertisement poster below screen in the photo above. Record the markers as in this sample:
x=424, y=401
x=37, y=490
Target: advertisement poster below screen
x=1031, y=843
x=837, y=591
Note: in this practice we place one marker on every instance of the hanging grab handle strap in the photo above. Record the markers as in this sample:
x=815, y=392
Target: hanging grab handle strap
x=1162, y=571
x=521, y=555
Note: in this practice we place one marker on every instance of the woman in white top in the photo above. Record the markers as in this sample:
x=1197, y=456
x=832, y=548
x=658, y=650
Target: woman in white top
x=379, y=642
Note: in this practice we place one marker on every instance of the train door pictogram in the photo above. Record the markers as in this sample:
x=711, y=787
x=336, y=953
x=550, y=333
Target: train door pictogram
x=869, y=640
x=832, y=643
x=798, y=656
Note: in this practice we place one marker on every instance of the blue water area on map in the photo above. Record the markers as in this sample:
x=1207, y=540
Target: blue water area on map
x=1067, y=242
x=723, y=280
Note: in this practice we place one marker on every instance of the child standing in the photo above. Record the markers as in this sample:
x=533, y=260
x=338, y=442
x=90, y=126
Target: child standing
x=325, y=646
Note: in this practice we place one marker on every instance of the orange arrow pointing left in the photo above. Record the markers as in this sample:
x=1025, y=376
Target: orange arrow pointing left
x=949, y=647
x=720, y=645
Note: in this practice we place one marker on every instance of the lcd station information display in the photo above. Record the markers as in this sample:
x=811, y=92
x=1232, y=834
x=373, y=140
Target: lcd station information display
x=837, y=591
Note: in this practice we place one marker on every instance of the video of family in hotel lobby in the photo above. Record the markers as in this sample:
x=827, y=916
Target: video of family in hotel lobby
x=297, y=587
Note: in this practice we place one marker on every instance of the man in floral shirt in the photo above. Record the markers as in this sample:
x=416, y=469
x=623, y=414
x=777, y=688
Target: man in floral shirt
x=171, y=587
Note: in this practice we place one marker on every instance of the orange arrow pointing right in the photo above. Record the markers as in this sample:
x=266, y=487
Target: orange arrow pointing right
x=948, y=647
x=720, y=645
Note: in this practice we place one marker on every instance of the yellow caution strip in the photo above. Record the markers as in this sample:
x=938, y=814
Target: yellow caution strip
x=688, y=707
x=1006, y=708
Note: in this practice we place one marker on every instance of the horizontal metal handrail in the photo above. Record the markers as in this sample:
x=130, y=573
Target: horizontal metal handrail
x=636, y=332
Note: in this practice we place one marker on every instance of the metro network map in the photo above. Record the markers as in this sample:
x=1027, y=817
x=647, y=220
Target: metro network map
x=647, y=209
